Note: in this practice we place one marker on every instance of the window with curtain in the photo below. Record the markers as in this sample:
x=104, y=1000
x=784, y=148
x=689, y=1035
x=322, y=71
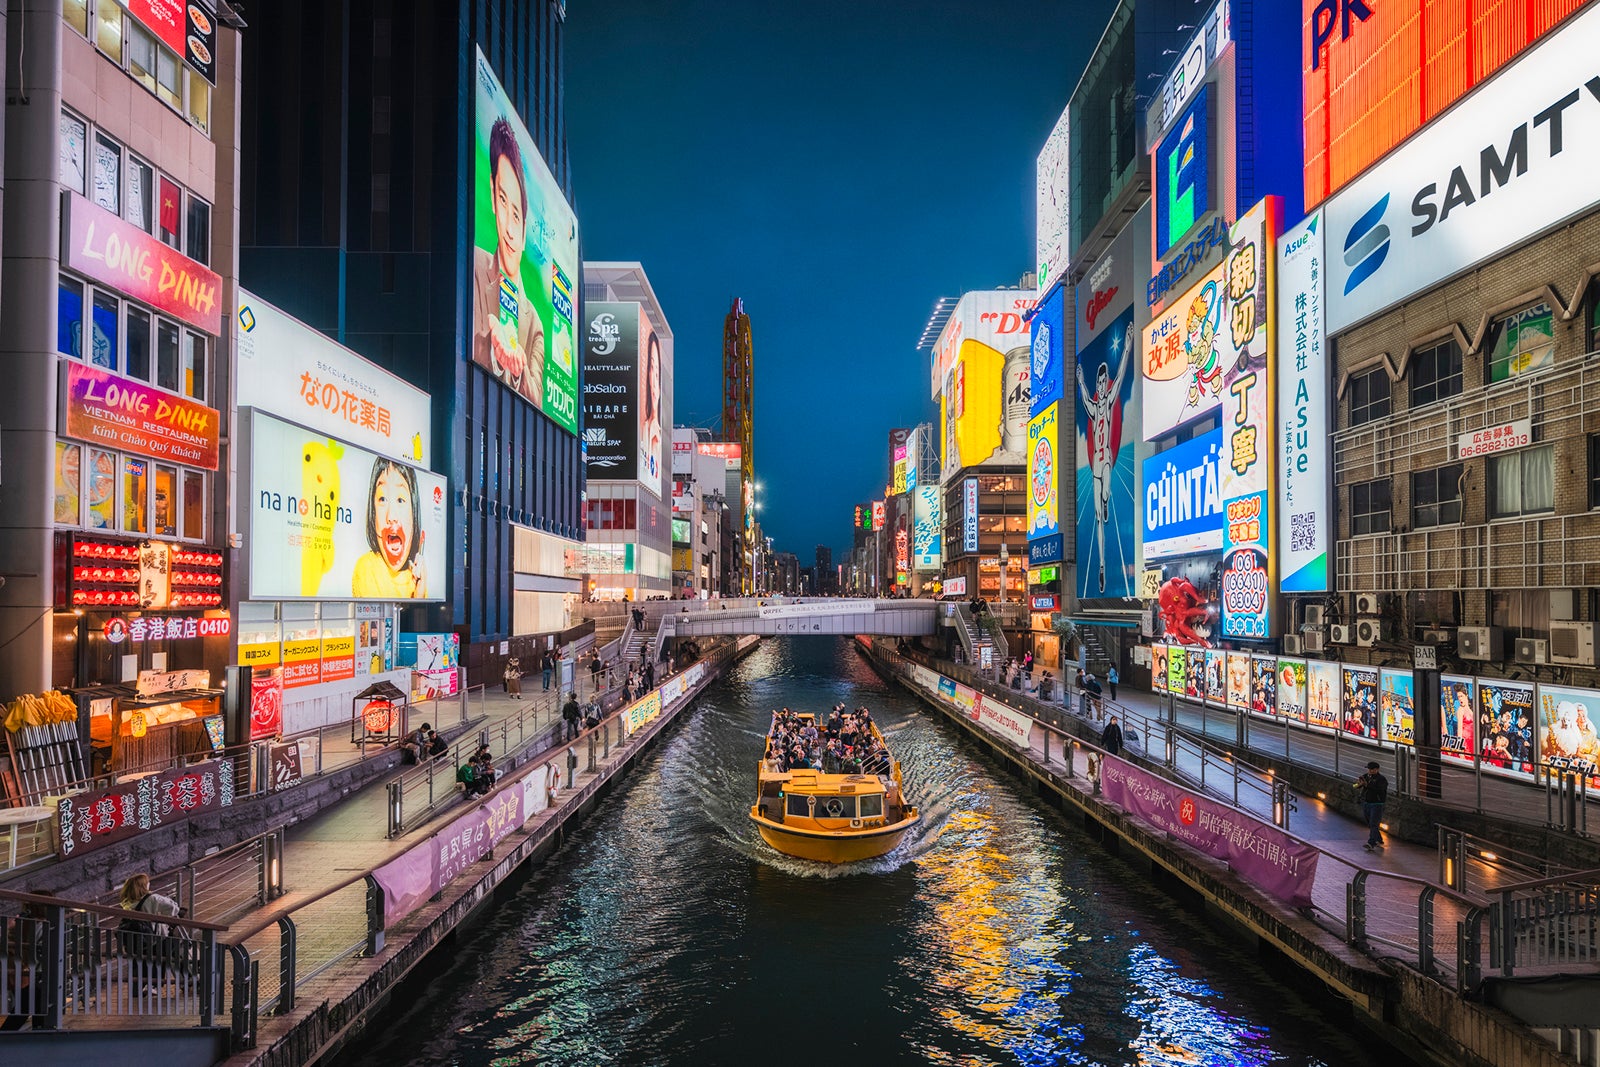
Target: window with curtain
x=169, y=86
x=1522, y=482
x=1524, y=612
x=1369, y=396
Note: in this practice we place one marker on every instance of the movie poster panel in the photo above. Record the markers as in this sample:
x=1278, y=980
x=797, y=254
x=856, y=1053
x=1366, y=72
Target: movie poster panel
x=1458, y=699
x=1216, y=673
x=1505, y=728
x=1323, y=689
x=1195, y=683
x=1239, y=681
x=524, y=261
x=1158, y=668
x=1108, y=565
x=1292, y=689
x=1398, y=701
x=1264, y=686
x=1361, y=701
x=1178, y=670
x=1568, y=740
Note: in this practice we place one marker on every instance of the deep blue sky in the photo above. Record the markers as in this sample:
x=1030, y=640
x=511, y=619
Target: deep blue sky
x=840, y=166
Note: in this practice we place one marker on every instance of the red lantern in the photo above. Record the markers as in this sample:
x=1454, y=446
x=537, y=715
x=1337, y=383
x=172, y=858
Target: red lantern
x=377, y=716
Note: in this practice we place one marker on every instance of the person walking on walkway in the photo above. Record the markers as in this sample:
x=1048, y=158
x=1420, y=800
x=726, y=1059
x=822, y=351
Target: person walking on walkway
x=594, y=670
x=1093, y=685
x=514, y=678
x=1373, y=789
x=571, y=716
x=548, y=667
x=1111, y=737
x=1112, y=679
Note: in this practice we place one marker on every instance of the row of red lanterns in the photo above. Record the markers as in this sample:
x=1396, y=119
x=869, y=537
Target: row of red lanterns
x=130, y=598
x=195, y=578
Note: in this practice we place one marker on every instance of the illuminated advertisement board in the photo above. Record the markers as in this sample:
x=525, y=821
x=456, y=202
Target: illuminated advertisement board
x=1247, y=427
x=1397, y=706
x=1292, y=689
x=100, y=407
x=1216, y=687
x=969, y=515
x=897, y=461
x=102, y=247
x=1505, y=728
x=1514, y=158
x=1188, y=72
x=1158, y=668
x=1238, y=680
x=1264, y=686
x=879, y=518
x=331, y=521
x=1324, y=701
x=989, y=318
x=1043, y=474
x=524, y=261
x=730, y=452
x=1375, y=73
x=1458, y=717
x=1046, y=341
x=1182, y=499
x=288, y=368
x=1360, y=700
x=651, y=437
x=1054, y=201
x=188, y=27
x=1567, y=737
x=1107, y=560
x=1303, y=507
x=927, y=527
x=1182, y=187
x=611, y=389
x=1178, y=670
x=984, y=407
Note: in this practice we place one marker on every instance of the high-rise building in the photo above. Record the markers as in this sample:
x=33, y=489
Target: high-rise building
x=738, y=422
x=825, y=574
x=627, y=426
x=376, y=141
x=120, y=268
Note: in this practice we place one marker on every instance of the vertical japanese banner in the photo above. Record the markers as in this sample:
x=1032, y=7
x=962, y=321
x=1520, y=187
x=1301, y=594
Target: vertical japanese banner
x=1302, y=413
x=1247, y=426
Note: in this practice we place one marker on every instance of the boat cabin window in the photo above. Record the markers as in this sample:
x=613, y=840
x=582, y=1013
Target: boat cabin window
x=836, y=807
x=872, y=805
x=798, y=806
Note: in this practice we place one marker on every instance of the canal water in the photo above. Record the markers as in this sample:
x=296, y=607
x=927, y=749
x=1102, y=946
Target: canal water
x=665, y=932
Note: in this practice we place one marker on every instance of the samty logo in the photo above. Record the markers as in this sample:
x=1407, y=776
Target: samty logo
x=1366, y=246
x=1041, y=350
x=604, y=333
x=1328, y=14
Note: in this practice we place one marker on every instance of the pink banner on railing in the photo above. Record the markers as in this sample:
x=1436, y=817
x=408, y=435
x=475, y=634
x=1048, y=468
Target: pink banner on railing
x=408, y=881
x=468, y=839
x=1267, y=857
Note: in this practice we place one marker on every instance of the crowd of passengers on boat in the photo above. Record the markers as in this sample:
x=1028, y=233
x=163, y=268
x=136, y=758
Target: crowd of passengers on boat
x=844, y=744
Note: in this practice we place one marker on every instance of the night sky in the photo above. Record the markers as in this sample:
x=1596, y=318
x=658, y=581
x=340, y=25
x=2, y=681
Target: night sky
x=840, y=166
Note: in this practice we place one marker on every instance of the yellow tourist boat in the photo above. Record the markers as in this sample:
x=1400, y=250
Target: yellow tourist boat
x=831, y=818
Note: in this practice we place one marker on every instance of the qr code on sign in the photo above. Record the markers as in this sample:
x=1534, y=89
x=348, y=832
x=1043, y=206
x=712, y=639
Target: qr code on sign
x=1303, y=532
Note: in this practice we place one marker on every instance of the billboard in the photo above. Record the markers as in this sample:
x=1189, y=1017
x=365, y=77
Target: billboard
x=288, y=368
x=651, y=436
x=331, y=521
x=1303, y=501
x=1374, y=74
x=1182, y=187
x=1043, y=474
x=969, y=515
x=1053, y=200
x=1292, y=689
x=898, y=459
x=1505, y=728
x=1398, y=706
x=1247, y=426
x=927, y=528
x=1047, y=339
x=104, y=248
x=1458, y=702
x=1514, y=158
x=989, y=318
x=984, y=407
x=101, y=407
x=1567, y=737
x=1107, y=560
x=1182, y=498
x=879, y=516
x=1324, y=706
x=1360, y=700
x=1264, y=685
x=524, y=261
x=611, y=376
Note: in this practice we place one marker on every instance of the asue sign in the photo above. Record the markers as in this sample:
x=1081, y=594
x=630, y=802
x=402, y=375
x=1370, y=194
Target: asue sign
x=1517, y=156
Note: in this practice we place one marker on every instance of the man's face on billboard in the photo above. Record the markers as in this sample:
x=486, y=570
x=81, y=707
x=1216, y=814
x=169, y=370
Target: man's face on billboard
x=509, y=223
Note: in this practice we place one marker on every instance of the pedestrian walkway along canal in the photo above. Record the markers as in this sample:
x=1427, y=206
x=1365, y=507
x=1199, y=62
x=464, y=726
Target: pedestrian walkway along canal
x=665, y=932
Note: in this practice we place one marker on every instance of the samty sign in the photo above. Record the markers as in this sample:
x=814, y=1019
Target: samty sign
x=119, y=254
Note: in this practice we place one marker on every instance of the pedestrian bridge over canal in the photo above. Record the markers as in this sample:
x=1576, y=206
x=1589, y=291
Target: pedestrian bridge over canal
x=819, y=616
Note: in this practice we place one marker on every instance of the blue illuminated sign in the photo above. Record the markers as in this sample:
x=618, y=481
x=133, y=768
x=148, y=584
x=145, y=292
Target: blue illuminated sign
x=1048, y=333
x=1183, y=163
x=1182, y=499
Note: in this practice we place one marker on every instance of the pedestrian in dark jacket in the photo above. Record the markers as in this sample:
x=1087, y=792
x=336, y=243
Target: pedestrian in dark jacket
x=572, y=716
x=1111, y=737
x=1373, y=790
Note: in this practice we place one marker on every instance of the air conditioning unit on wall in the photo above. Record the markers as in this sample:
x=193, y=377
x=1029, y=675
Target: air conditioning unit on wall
x=1339, y=633
x=1478, y=642
x=1313, y=641
x=1367, y=604
x=1532, y=650
x=1438, y=637
x=1572, y=643
x=1293, y=645
x=1316, y=615
x=1370, y=631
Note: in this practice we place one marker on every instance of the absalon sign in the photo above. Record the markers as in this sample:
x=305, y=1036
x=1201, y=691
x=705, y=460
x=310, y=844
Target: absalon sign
x=1516, y=157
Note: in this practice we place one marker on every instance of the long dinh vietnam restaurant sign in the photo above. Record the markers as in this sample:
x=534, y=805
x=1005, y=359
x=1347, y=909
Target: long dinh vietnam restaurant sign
x=1507, y=728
